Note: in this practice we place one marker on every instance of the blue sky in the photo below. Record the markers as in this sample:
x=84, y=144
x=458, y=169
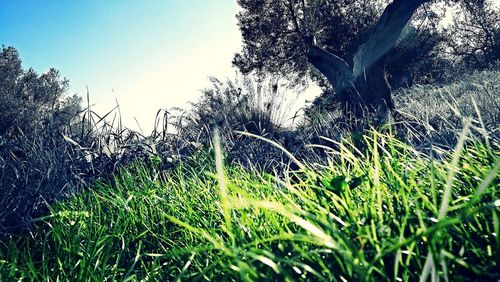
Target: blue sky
x=147, y=54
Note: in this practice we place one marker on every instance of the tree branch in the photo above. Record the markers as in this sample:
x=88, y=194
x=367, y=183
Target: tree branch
x=385, y=34
x=294, y=17
x=336, y=70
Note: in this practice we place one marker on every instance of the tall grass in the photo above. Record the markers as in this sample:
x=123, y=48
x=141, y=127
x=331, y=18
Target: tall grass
x=258, y=105
x=435, y=113
x=59, y=157
x=388, y=213
x=369, y=207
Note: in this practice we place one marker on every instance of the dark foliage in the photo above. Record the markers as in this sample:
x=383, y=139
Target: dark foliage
x=274, y=44
x=51, y=148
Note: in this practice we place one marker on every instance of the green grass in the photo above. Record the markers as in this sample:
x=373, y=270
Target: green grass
x=390, y=213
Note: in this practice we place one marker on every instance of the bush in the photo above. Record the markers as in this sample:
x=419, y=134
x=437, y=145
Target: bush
x=35, y=161
x=50, y=147
x=259, y=106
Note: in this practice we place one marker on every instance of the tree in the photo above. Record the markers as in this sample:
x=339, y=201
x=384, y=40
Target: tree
x=28, y=100
x=474, y=36
x=346, y=41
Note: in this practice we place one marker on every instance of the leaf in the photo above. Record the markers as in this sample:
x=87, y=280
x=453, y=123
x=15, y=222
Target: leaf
x=339, y=183
x=355, y=182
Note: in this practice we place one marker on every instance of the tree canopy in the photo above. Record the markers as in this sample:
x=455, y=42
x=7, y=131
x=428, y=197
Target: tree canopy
x=275, y=33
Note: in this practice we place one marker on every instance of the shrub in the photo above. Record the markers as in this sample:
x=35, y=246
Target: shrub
x=34, y=163
x=50, y=147
x=260, y=106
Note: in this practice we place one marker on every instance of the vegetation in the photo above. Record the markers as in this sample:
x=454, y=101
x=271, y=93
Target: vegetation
x=435, y=113
x=474, y=37
x=374, y=215
x=239, y=188
x=245, y=104
x=51, y=148
x=34, y=112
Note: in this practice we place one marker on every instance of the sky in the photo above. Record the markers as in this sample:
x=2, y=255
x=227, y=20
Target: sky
x=147, y=55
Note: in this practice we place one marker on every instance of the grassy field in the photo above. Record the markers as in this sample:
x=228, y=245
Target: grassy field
x=388, y=213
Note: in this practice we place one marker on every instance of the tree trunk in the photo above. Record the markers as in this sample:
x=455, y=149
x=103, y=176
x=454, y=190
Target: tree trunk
x=356, y=95
x=368, y=93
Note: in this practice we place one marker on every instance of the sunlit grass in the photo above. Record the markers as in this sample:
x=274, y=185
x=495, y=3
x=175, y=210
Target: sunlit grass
x=389, y=213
